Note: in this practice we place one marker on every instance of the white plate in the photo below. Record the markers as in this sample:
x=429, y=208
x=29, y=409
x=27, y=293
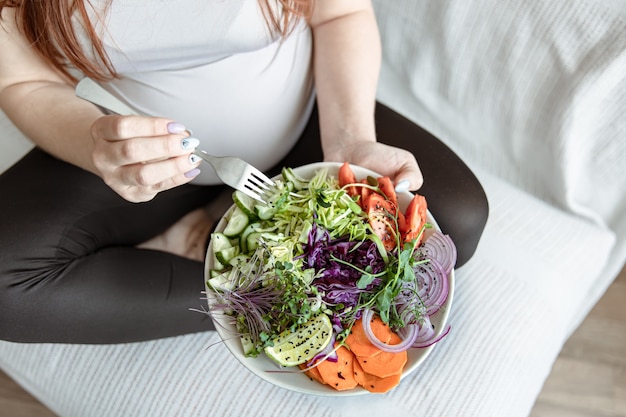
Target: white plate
x=265, y=369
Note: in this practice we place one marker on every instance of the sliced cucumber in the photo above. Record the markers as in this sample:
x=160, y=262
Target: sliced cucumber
x=252, y=241
x=245, y=204
x=298, y=182
x=237, y=221
x=243, y=239
x=224, y=256
x=219, y=242
x=222, y=282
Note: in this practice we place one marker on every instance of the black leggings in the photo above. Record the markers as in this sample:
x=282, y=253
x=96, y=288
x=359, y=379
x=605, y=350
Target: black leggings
x=69, y=269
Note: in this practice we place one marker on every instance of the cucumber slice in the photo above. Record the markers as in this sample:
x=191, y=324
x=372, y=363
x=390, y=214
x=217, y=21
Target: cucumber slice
x=252, y=240
x=222, y=282
x=219, y=242
x=243, y=239
x=245, y=204
x=298, y=182
x=224, y=256
x=237, y=221
x=239, y=261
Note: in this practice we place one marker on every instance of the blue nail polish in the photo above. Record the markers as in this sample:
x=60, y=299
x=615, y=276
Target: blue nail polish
x=175, y=127
x=193, y=159
x=189, y=143
x=193, y=173
x=402, y=186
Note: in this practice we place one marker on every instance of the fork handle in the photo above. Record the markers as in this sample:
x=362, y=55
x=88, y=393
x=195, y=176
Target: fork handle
x=89, y=90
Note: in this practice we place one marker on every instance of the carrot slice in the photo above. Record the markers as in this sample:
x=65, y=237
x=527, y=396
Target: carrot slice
x=313, y=373
x=373, y=383
x=359, y=343
x=340, y=374
x=385, y=363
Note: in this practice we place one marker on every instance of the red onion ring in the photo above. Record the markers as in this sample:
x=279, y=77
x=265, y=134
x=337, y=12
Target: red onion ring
x=433, y=284
x=441, y=248
x=408, y=335
x=433, y=340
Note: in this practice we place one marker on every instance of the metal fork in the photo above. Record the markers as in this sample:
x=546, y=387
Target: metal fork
x=233, y=171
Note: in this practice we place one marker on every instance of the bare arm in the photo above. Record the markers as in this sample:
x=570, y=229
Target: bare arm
x=347, y=56
x=136, y=156
x=38, y=100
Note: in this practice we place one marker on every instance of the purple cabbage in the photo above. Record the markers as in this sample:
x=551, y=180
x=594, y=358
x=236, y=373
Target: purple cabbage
x=337, y=281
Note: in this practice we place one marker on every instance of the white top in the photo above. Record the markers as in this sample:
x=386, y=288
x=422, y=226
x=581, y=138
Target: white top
x=213, y=66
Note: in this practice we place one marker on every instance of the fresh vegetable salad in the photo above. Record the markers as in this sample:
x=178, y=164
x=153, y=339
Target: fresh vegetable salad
x=332, y=277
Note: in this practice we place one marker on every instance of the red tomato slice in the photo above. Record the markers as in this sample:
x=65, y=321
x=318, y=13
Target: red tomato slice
x=381, y=213
x=415, y=218
x=365, y=193
x=346, y=176
x=387, y=188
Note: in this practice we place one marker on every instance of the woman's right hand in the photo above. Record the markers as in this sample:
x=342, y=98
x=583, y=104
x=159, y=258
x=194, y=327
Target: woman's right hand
x=138, y=157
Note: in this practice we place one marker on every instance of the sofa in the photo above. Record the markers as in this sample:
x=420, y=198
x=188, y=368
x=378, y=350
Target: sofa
x=531, y=96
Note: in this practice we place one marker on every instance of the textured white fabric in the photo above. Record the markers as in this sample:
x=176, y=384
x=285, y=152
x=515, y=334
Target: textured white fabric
x=531, y=95
x=533, y=92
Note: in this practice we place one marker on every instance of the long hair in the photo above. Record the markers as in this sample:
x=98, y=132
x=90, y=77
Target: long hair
x=47, y=25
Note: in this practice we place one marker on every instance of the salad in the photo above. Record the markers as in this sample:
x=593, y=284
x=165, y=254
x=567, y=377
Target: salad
x=331, y=276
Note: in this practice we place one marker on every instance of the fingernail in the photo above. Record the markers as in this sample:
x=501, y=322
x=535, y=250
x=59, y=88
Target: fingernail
x=189, y=143
x=402, y=186
x=175, y=127
x=194, y=159
x=193, y=173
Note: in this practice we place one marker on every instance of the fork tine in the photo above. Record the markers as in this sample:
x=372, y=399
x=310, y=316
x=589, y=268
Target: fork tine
x=246, y=190
x=264, y=179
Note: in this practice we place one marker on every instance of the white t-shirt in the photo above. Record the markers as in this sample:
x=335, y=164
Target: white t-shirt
x=213, y=66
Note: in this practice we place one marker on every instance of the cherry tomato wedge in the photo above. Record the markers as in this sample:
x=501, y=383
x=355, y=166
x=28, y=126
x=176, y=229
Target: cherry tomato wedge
x=388, y=189
x=414, y=218
x=346, y=176
x=381, y=213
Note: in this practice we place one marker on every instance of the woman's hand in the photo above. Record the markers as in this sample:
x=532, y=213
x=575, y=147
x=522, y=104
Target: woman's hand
x=347, y=62
x=140, y=156
x=398, y=164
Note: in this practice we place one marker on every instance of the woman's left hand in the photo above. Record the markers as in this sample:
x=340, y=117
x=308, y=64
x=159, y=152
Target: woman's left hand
x=398, y=164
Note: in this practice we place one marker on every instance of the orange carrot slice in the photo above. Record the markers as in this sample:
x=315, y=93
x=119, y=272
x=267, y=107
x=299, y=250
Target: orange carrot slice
x=313, y=373
x=339, y=375
x=373, y=383
x=358, y=341
x=385, y=363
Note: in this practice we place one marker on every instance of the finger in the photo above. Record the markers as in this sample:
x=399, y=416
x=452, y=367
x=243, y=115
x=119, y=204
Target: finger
x=114, y=127
x=150, y=174
x=408, y=178
x=132, y=151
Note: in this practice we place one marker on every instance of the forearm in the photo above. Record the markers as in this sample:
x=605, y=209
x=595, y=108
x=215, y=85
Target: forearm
x=346, y=65
x=51, y=116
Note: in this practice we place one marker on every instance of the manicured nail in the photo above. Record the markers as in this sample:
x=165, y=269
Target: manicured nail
x=189, y=143
x=175, y=127
x=193, y=173
x=193, y=159
x=402, y=186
